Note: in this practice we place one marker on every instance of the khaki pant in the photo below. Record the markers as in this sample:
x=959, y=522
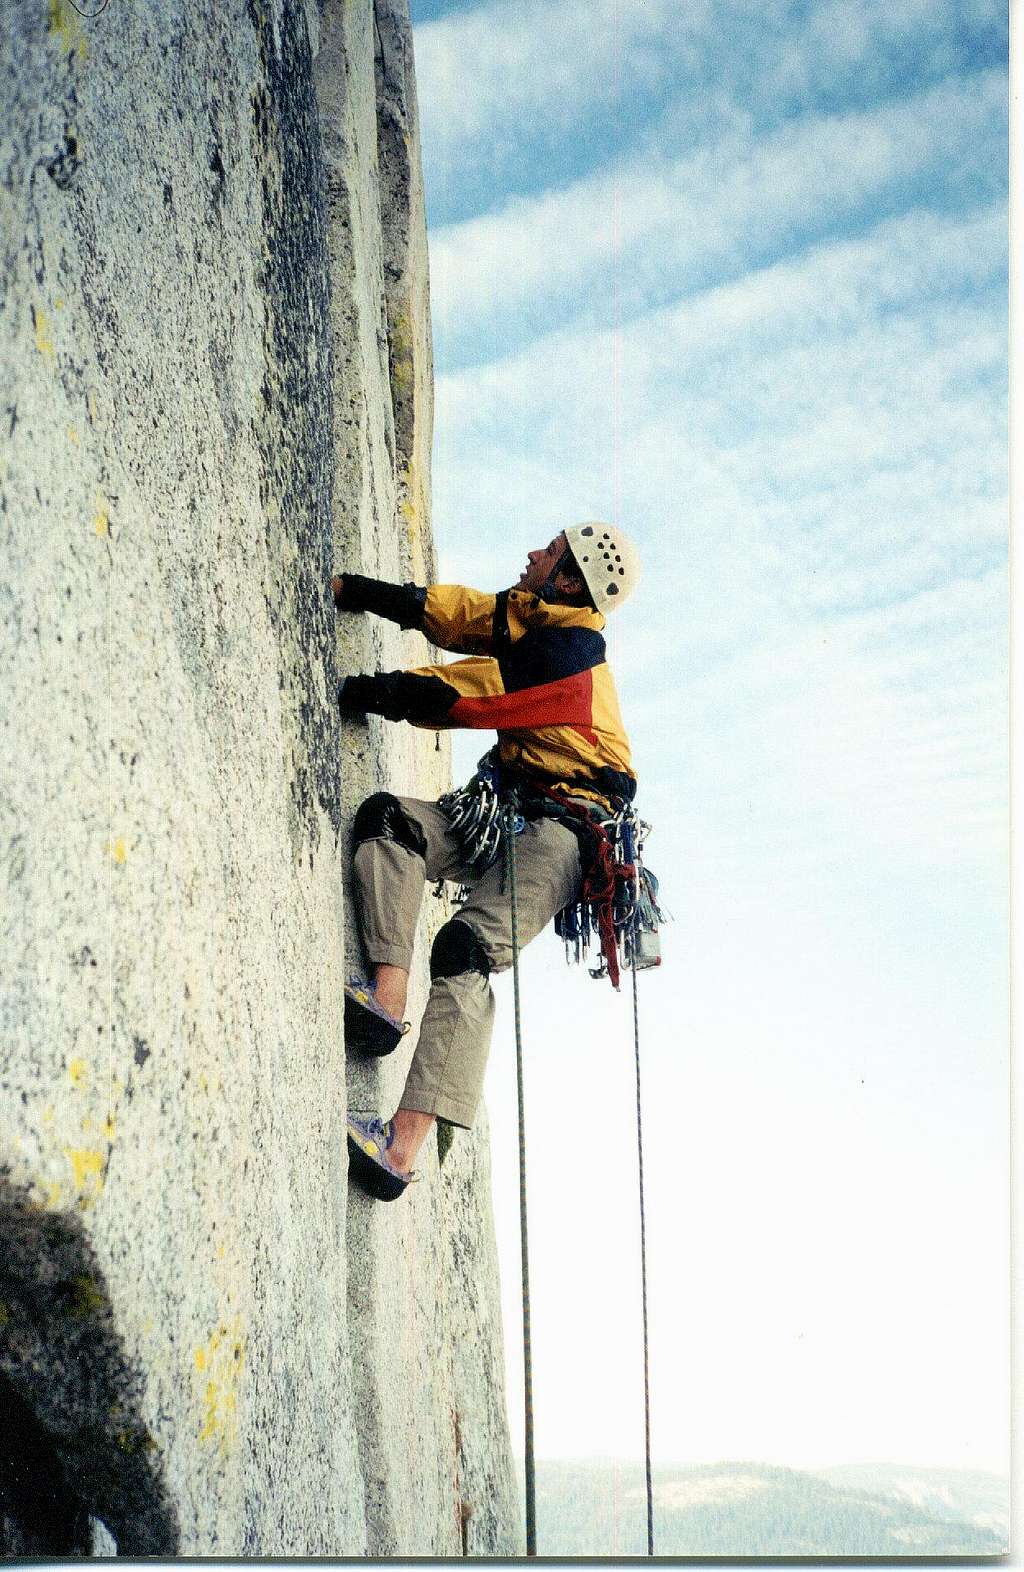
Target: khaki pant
x=447, y=1070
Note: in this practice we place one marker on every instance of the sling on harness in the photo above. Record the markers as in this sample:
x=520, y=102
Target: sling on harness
x=618, y=900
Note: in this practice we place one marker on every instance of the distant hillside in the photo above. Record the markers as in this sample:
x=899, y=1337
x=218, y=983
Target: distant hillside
x=750, y=1509
x=960, y=1495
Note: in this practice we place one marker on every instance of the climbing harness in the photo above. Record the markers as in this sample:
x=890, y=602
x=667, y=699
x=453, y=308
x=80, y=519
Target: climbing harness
x=624, y=894
x=618, y=902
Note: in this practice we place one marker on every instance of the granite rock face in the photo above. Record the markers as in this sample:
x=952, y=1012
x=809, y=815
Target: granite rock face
x=214, y=328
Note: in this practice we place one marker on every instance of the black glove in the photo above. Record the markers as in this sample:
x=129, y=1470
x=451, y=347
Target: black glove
x=401, y=603
x=356, y=696
x=398, y=695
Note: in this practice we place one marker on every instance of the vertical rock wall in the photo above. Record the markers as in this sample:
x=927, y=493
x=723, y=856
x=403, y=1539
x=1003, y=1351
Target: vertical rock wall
x=214, y=331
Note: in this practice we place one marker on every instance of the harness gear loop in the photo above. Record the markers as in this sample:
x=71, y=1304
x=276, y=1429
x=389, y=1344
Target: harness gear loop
x=508, y=824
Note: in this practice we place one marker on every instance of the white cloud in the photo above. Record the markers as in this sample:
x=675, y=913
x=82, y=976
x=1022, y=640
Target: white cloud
x=498, y=73
x=492, y=64
x=870, y=349
x=613, y=241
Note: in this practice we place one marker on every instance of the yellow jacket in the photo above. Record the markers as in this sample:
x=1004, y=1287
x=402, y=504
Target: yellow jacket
x=536, y=673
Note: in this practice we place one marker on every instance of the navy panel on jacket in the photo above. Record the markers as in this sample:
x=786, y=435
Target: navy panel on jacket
x=546, y=654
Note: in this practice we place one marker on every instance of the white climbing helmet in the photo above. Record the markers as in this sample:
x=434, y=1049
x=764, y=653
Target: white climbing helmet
x=608, y=561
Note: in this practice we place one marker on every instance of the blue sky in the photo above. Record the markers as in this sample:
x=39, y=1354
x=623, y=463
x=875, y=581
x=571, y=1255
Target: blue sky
x=734, y=276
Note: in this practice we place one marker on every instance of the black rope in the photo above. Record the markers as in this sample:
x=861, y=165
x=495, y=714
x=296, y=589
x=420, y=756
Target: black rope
x=508, y=825
x=528, y=1463
x=643, y=1266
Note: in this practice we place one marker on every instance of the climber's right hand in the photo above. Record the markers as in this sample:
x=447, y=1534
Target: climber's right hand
x=338, y=590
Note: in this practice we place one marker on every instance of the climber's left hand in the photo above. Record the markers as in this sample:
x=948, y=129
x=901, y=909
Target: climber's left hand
x=355, y=694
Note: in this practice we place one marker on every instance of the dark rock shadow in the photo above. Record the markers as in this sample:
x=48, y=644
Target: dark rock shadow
x=73, y=1445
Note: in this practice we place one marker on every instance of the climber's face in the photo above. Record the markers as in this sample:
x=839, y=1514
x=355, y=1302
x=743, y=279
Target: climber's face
x=541, y=564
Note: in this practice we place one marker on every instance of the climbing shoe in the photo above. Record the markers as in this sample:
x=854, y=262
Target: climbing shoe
x=368, y=1026
x=368, y=1142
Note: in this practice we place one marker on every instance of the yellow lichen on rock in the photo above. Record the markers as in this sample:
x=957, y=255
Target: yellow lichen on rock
x=410, y=509
x=87, y=1173
x=64, y=22
x=217, y=1377
x=44, y=343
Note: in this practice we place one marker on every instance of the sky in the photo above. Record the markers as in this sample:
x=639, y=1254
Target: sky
x=733, y=275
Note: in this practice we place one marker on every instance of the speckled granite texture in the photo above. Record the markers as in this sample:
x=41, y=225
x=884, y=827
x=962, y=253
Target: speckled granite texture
x=216, y=391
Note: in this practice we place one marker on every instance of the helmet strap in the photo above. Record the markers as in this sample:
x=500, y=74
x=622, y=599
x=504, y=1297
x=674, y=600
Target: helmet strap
x=547, y=590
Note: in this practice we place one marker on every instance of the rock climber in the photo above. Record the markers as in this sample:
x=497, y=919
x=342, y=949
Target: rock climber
x=535, y=672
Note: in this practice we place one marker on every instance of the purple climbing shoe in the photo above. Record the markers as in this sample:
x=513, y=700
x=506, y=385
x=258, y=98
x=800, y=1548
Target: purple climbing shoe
x=368, y=1142
x=368, y=1026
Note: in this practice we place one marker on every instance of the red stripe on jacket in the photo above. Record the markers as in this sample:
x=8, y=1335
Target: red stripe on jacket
x=567, y=702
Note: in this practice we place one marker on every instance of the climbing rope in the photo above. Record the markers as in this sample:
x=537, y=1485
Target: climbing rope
x=509, y=825
x=643, y=1267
